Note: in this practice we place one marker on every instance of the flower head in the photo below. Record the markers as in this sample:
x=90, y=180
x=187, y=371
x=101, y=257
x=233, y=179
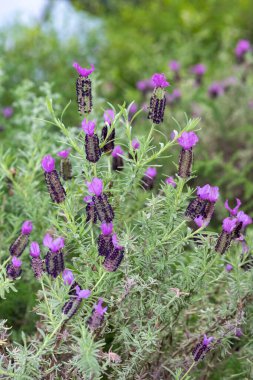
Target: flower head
x=229, y=224
x=109, y=116
x=95, y=186
x=200, y=221
x=229, y=267
x=174, y=66
x=106, y=228
x=242, y=47
x=151, y=172
x=199, y=69
x=243, y=218
x=135, y=144
x=82, y=293
x=208, y=193
x=238, y=332
x=16, y=262
x=173, y=134
x=206, y=341
x=64, y=153
x=47, y=240
x=48, y=163
x=57, y=244
x=115, y=242
x=99, y=308
x=34, y=249
x=215, y=89
x=233, y=211
x=7, y=112
x=187, y=140
x=82, y=70
x=88, y=199
x=27, y=227
x=89, y=127
x=117, y=151
x=170, y=181
x=159, y=80
x=68, y=277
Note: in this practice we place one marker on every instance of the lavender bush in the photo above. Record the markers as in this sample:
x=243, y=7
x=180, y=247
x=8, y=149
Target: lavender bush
x=130, y=282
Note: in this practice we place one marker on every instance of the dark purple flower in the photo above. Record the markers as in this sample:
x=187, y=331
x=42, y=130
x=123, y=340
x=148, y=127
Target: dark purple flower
x=229, y=224
x=243, y=218
x=170, y=181
x=135, y=144
x=48, y=163
x=34, y=249
x=64, y=153
x=202, y=348
x=88, y=127
x=106, y=228
x=13, y=269
x=82, y=70
x=97, y=316
x=16, y=262
x=133, y=108
x=188, y=139
x=151, y=172
x=199, y=69
x=238, y=332
x=159, y=80
x=117, y=151
x=7, y=112
x=27, y=227
x=242, y=47
x=215, y=89
x=68, y=277
x=233, y=211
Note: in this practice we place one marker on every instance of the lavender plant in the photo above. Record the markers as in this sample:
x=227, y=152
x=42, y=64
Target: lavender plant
x=130, y=283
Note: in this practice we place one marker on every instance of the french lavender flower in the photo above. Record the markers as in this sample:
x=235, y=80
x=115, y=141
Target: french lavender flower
x=36, y=262
x=113, y=259
x=66, y=167
x=170, y=181
x=7, y=112
x=135, y=145
x=103, y=208
x=233, y=211
x=117, y=160
x=229, y=267
x=148, y=179
x=204, y=204
x=158, y=99
x=202, y=348
x=215, y=90
x=199, y=70
x=187, y=140
x=175, y=67
x=97, y=316
x=73, y=304
x=20, y=244
x=13, y=269
x=109, y=116
x=54, y=258
x=91, y=214
x=145, y=85
x=83, y=88
x=226, y=236
x=243, y=220
x=68, y=277
x=242, y=47
x=54, y=185
x=92, y=150
x=105, y=243
x=200, y=221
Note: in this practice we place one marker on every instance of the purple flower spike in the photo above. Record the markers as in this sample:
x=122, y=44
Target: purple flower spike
x=27, y=227
x=85, y=293
x=82, y=70
x=95, y=186
x=229, y=267
x=159, y=80
x=206, y=341
x=7, y=112
x=106, y=228
x=229, y=224
x=34, y=249
x=238, y=332
x=215, y=89
x=117, y=151
x=243, y=218
x=47, y=240
x=88, y=127
x=188, y=139
x=233, y=211
x=151, y=172
x=57, y=244
x=170, y=181
x=99, y=308
x=68, y=277
x=208, y=193
x=174, y=66
x=16, y=262
x=64, y=153
x=199, y=69
x=109, y=116
x=135, y=144
x=48, y=163
x=242, y=47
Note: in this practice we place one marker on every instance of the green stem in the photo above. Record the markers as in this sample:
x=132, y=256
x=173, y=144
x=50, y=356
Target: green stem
x=46, y=299
x=189, y=370
x=96, y=285
x=48, y=338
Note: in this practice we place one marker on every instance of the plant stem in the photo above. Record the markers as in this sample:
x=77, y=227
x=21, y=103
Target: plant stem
x=101, y=278
x=189, y=370
x=48, y=338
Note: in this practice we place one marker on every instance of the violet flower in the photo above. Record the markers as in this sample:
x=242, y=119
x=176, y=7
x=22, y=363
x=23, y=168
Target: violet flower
x=96, y=319
x=158, y=99
x=48, y=163
x=226, y=236
x=148, y=179
x=229, y=267
x=64, y=153
x=200, y=221
x=54, y=185
x=135, y=144
x=174, y=66
x=27, y=227
x=202, y=348
x=199, y=70
x=73, y=304
x=36, y=262
x=204, y=204
x=20, y=244
x=93, y=152
x=82, y=70
x=233, y=211
x=209, y=193
x=13, y=269
x=114, y=256
x=83, y=88
x=54, y=258
x=109, y=116
x=34, y=249
x=7, y=112
x=103, y=208
x=187, y=140
x=68, y=277
x=95, y=186
x=242, y=47
x=65, y=165
x=215, y=90
x=117, y=160
x=105, y=243
x=244, y=219
x=170, y=181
